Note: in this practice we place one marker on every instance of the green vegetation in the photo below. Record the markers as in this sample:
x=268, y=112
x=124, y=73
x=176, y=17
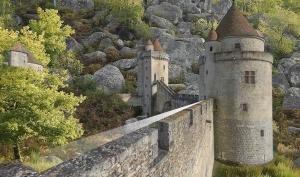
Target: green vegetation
x=129, y=13
x=130, y=82
x=278, y=20
x=100, y=111
x=103, y=111
x=38, y=163
x=279, y=167
x=202, y=27
x=50, y=26
x=32, y=107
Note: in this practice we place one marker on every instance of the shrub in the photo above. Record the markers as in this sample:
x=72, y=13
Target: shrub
x=195, y=68
x=82, y=85
x=91, y=69
x=39, y=163
x=202, y=27
x=102, y=111
x=130, y=82
x=129, y=13
x=112, y=54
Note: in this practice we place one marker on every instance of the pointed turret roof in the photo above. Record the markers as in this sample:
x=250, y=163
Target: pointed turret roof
x=18, y=47
x=235, y=23
x=157, y=46
x=212, y=36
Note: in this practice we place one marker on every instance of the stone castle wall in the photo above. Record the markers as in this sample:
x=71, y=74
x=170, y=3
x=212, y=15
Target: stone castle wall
x=181, y=145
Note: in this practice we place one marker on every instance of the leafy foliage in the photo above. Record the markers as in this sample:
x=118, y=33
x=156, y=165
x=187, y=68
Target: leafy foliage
x=202, y=27
x=129, y=13
x=32, y=106
x=278, y=20
x=51, y=27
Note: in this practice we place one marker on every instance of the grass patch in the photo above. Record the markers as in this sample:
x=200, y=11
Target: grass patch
x=279, y=167
x=39, y=163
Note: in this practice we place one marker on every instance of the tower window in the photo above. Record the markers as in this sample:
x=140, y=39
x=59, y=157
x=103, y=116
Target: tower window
x=250, y=77
x=237, y=46
x=211, y=48
x=164, y=67
x=206, y=72
x=262, y=133
x=154, y=77
x=245, y=107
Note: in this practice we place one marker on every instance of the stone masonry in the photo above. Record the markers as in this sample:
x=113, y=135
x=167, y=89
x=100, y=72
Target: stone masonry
x=181, y=145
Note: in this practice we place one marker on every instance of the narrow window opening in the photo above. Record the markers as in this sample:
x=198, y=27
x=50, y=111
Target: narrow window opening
x=262, y=133
x=211, y=48
x=164, y=67
x=206, y=72
x=250, y=77
x=237, y=46
x=245, y=107
x=154, y=77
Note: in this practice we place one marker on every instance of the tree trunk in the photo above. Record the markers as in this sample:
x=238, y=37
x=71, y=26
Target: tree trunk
x=17, y=152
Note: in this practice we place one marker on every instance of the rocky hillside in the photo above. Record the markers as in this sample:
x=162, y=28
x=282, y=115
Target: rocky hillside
x=102, y=40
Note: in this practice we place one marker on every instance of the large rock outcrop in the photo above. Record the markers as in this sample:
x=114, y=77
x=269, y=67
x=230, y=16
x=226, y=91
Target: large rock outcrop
x=285, y=64
x=280, y=81
x=292, y=99
x=294, y=75
x=95, y=57
x=73, y=45
x=126, y=64
x=183, y=51
x=165, y=10
x=77, y=4
x=109, y=79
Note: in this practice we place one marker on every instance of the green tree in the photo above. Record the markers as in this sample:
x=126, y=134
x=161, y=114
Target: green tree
x=7, y=40
x=129, y=13
x=51, y=27
x=32, y=107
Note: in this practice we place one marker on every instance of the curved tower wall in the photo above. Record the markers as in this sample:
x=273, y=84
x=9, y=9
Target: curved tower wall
x=243, y=110
x=211, y=48
x=246, y=44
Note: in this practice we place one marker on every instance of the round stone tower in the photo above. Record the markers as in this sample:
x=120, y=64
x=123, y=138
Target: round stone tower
x=238, y=75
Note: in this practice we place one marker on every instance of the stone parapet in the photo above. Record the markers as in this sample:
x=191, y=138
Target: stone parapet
x=180, y=146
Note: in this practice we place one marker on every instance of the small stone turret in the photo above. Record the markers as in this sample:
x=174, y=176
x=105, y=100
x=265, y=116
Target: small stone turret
x=149, y=46
x=153, y=65
x=20, y=57
x=157, y=46
x=212, y=36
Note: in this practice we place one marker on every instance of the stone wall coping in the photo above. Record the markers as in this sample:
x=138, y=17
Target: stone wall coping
x=84, y=145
